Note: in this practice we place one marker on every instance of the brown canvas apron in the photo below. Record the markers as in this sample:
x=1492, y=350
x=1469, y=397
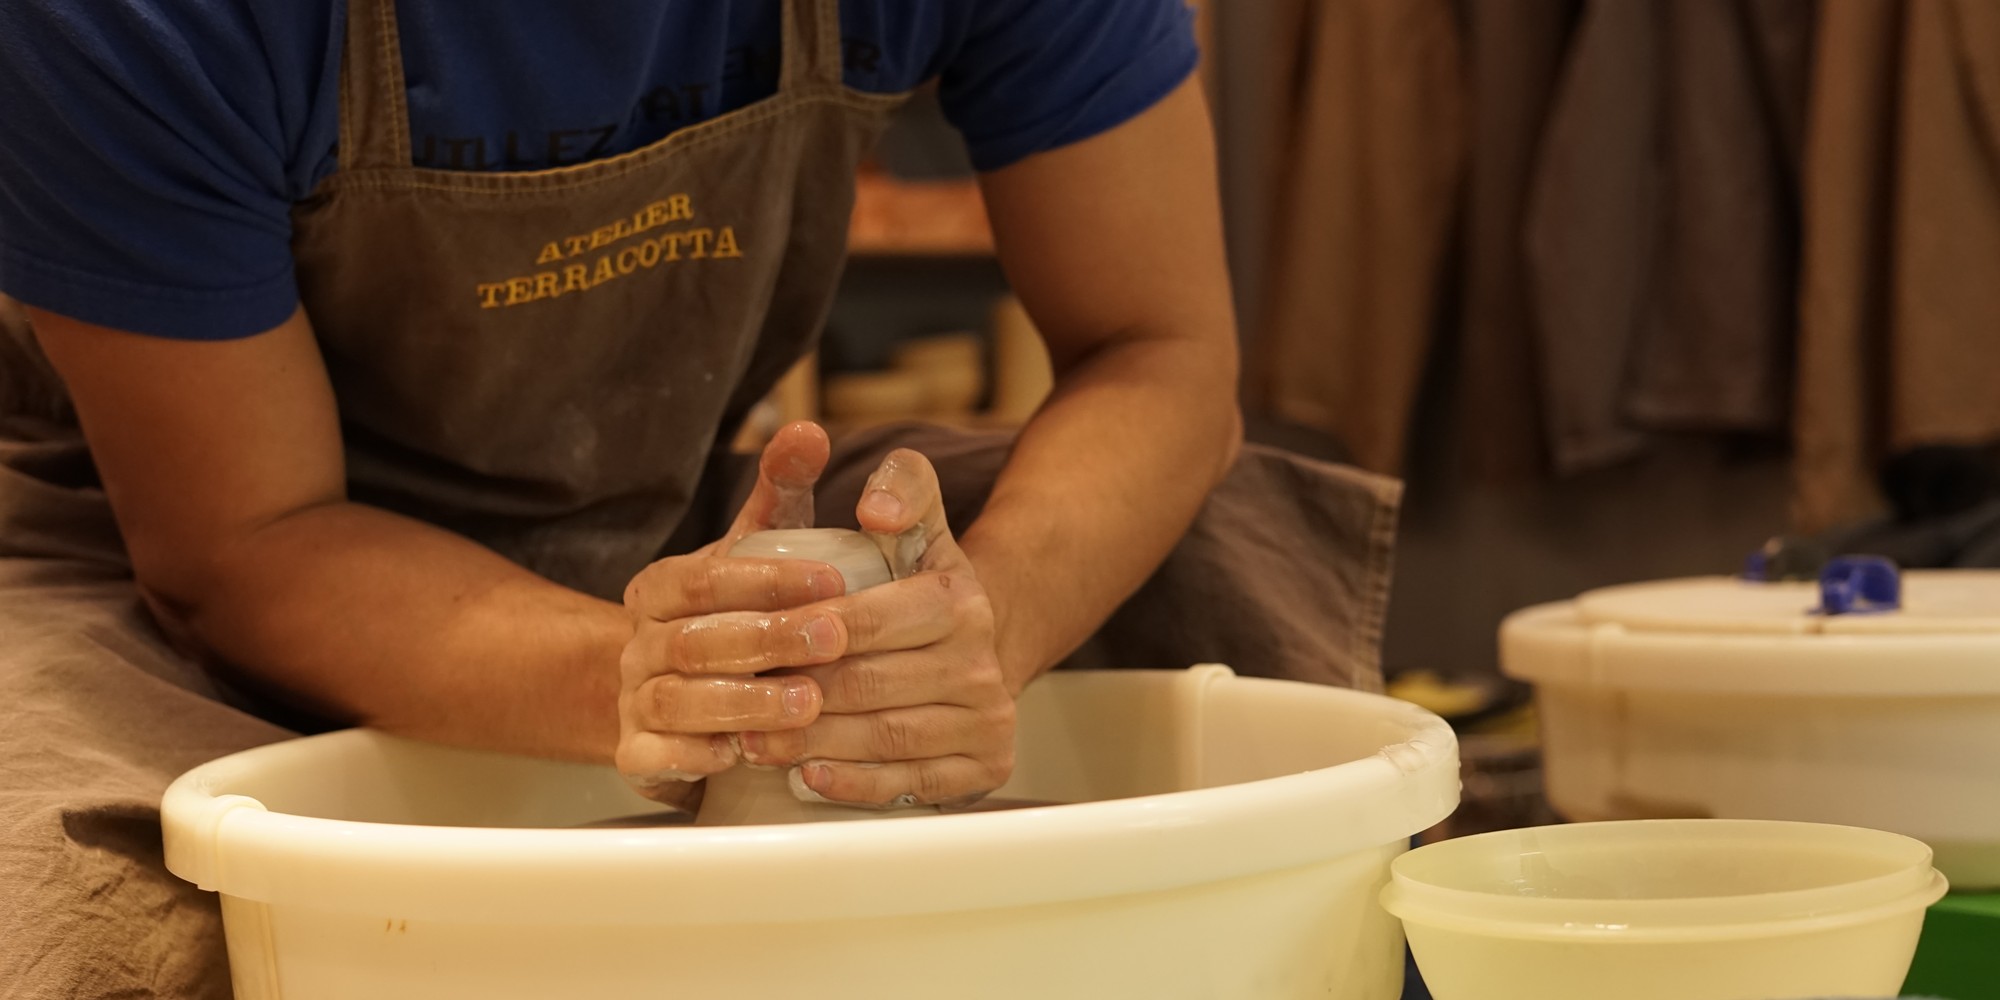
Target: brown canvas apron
x=543, y=362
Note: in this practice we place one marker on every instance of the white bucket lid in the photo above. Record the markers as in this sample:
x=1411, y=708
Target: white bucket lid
x=1719, y=634
x=1933, y=602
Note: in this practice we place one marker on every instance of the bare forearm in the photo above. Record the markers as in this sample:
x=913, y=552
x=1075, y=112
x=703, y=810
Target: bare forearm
x=1100, y=486
x=1115, y=246
x=380, y=620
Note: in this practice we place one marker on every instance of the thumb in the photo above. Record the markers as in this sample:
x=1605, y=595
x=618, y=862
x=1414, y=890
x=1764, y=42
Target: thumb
x=903, y=508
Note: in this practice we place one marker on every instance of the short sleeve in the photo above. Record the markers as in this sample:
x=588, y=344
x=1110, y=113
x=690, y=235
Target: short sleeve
x=1034, y=75
x=150, y=153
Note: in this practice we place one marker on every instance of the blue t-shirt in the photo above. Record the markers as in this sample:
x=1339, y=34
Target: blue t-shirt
x=151, y=150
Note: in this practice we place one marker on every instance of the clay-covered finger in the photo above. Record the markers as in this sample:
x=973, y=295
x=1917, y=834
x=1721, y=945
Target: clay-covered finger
x=658, y=765
x=938, y=781
x=735, y=643
x=900, y=734
x=786, y=473
x=687, y=586
x=903, y=614
x=903, y=679
x=679, y=703
x=903, y=506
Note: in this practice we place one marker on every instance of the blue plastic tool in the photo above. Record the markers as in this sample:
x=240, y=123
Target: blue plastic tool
x=1859, y=585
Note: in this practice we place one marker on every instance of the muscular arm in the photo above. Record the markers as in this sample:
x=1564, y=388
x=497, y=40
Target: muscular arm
x=1115, y=246
x=223, y=462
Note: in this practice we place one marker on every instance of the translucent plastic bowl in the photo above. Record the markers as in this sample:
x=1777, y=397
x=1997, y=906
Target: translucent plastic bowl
x=1665, y=910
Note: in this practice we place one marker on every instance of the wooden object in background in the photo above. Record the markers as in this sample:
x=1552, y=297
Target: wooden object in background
x=938, y=379
x=915, y=218
x=860, y=398
x=1022, y=374
x=953, y=366
x=795, y=397
x=797, y=394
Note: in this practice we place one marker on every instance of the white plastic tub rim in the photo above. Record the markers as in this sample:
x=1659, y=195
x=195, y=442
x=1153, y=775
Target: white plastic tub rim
x=1905, y=885
x=224, y=840
x=1606, y=640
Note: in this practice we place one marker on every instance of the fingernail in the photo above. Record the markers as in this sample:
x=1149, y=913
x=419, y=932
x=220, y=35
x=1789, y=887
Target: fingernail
x=827, y=583
x=798, y=701
x=822, y=637
x=815, y=775
x=882, y=504
x=800, y=790
x=753, y=743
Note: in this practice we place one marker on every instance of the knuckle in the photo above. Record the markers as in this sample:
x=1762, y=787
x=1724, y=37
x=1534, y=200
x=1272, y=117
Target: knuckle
x=984, y=670
x=781, y=641
x=896, y=737
x=1000, y=769
x=1000, y=717
x=858, y=683
x=652, y=759
x=632, y=759
x=931, y=785
x=635, y=663
x=680, y=648
x=665, y=698
x=763, y=578
x=786, y=747
x=699, y=586
x=971, y=607
x=981, y=677
x=634, y=763
x=864, y=623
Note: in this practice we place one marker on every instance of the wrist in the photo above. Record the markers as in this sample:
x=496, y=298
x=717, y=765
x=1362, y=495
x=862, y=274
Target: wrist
x=1020, y=641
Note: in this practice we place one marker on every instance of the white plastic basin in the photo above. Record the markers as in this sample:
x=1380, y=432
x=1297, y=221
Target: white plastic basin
x=1230, y=839
x=1720, y=698
x=1666, y=910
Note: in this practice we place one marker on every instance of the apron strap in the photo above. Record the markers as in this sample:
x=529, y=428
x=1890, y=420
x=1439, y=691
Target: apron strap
x=374, y=106
x=811, y=44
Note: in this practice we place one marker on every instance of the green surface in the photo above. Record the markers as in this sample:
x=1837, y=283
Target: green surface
x=1959, y=955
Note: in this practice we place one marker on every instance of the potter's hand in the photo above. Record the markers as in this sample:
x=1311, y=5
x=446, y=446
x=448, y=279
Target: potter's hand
x=705, y=625
x=916, y=711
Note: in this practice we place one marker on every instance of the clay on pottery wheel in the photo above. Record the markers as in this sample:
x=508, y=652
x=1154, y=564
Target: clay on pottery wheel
x=745, y=795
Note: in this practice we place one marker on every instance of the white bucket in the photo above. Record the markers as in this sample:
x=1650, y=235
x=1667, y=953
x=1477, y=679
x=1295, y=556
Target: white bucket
x=1229, y=841
x=1723, y=698
x=1666, y=910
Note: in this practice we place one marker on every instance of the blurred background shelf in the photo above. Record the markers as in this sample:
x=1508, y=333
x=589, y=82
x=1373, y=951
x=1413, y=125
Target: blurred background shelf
x=895, y=217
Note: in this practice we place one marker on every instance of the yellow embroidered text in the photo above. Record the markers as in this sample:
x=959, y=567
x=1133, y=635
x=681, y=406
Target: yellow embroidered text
x=697, y=243
x=678, y=208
